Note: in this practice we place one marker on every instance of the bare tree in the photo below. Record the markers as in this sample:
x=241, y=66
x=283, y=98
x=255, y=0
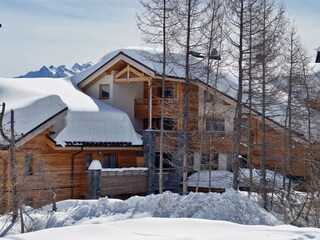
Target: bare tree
x=22, y=186
x=153, y=24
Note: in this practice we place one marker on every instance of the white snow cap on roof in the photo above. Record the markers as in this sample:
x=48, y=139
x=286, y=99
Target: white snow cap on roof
x=36, y=100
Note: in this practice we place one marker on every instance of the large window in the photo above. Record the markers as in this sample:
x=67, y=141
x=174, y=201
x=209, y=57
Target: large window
x=110, y=161
x=210, y=161
x=28, y=169
x=167, y=161
x=104, y=91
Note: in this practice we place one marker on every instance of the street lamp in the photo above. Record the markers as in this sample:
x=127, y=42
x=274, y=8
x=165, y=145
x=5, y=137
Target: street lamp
x=318, y=55
x=214, y=54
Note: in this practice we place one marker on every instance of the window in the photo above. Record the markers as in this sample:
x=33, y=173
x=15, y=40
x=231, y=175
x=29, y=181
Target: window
x=110, y=161
x=208, y=96
x=28, y=170
x=208, y=161
x=167, y=160
x=104, y=91
x=215, y=125
x=168, y=92
x=88, y=160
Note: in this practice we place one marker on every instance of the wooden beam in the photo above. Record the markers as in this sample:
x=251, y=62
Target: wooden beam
x=123, y=71
x=128, y=80
x=141, y=77
x=136, y=72
x=94, y=81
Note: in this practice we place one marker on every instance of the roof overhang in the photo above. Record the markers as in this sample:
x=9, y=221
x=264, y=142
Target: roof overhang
x=93, y=147
x=41, y=127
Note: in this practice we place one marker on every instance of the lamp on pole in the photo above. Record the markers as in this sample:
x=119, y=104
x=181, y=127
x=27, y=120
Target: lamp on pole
x=214, y=54
x=318, y=55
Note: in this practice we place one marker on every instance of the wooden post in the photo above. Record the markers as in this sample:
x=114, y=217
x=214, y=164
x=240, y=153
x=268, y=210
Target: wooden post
x=149, y=158
x=150, y=104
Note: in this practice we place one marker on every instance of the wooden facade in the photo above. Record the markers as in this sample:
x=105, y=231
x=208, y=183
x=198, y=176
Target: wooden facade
x=147, y=108
x=62, y=172
x=220, y=141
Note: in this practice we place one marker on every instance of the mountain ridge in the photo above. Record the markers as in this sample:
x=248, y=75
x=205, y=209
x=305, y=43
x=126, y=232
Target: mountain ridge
x=57, y=72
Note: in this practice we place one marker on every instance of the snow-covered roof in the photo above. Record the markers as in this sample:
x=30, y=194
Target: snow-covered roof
x=35, y=100
x=152, y=59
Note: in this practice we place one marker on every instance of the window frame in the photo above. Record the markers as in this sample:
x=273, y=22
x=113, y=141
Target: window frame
x=215, y=125
x=88, y=160
x=101, y=90
x=28, y=165
x=169, y=92
x=107, y=163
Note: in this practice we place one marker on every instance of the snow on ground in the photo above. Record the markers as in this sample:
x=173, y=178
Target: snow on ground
x=164, y=228
x=230, y=206
x=164, y=216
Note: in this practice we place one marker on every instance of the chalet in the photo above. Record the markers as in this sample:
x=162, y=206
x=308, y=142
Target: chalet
x=61, y=125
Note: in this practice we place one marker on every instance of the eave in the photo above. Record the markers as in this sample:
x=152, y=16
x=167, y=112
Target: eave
x=103, y=146
x=40, y=128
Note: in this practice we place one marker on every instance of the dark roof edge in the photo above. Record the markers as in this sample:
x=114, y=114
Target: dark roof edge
x=41, y=124
x=93, y=144
x=118, y=54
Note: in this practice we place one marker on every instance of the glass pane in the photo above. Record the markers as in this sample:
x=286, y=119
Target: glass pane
x=105, y=91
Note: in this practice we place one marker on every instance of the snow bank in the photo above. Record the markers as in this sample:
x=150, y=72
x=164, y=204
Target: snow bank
x=229, y=206
x=174, y=229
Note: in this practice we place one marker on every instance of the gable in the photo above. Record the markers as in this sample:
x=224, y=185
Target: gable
x=130, y=74
x=128, y=70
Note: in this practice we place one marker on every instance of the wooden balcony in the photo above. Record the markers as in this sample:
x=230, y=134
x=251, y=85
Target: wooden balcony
x=116, y=181
x=172, y=108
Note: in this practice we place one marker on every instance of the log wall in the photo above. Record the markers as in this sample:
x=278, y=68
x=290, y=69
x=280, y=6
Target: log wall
x=52, y=170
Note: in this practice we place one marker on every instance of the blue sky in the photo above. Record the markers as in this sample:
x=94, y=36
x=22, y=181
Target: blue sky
x=55, y=32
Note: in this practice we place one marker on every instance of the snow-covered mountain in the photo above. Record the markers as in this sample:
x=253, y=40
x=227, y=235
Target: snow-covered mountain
x=57, y=72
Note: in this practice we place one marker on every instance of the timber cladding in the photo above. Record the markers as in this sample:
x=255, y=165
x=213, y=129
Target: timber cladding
x=117, y=183
x=51, y=171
